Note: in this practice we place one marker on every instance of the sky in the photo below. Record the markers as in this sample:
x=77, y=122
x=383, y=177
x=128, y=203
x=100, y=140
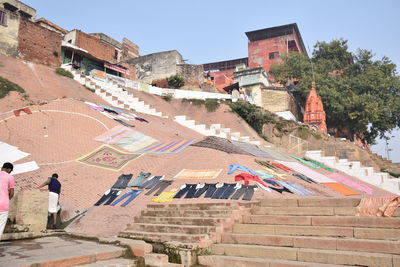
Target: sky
x=208, y=31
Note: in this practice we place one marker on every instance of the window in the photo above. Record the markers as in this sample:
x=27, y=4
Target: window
x=3, y=18
x=273, y=55
x=115, y=54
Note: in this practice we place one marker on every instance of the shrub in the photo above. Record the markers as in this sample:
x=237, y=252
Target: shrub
x=175, y=81
x=7, y=86
x=255, y=116
x=64, y=72
x=167, y=97
x=211, y=105
x=196, y=102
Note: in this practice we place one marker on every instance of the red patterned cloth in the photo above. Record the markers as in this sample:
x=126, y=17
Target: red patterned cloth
x=248, y=177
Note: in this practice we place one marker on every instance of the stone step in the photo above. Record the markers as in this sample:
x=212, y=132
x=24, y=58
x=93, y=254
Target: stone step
x=191, y=206
x=159, y=260
x=120, y=262
x=301, y=211
x=346, y=244
x=163, y=237
x=180, y=220
x=327, y=231
x=232, y=261
x=346, y=221
x=305, y=255
x=188, y=213
x=311, y=202
x=170, y=228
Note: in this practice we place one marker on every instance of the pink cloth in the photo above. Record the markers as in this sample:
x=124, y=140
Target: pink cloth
x=6, y=182
x=298, y=167
x=351, y=183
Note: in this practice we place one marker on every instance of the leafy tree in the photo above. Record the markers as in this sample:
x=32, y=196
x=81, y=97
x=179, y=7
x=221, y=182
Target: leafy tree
x=361, y=95
x=175, y=81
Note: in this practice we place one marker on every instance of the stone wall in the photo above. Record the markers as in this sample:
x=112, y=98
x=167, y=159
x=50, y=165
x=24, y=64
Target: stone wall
x=156, y=66
x=192, y=75
x=275, y=100
x=9, y=35
x=29, y=208
x=38, y=44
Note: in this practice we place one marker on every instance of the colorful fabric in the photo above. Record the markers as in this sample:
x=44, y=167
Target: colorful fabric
x=252, y=149
x=274, y=173
x=198, y=174
x=282, y=167
x=165, y=197
x=247, y=178
x=291, y=188
x=306, y=162
x=319, y=164
x=238, y=167
x=107, y=157
x=341, y=189
x=6, y=183
x=135, y=141
x=384, y=206
x=18, y=111
x=114, y=135
x=263, y=175
x=167, y=148
x=266, y=164
x=302, y=189
x=351, y=183
x=304, y=178
x=275, y=154
x=316, y=176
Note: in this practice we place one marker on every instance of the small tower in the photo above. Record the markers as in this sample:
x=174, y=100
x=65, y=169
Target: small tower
x=314, y=113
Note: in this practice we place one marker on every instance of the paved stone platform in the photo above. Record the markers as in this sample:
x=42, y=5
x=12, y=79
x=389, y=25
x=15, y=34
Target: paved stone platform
x=112, y=263
x=56, y=251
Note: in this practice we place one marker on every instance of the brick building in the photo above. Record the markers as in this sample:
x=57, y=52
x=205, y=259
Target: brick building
x=98, y=51
x=264, y=49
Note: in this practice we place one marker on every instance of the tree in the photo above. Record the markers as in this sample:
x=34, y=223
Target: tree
x=361, y=95
x=175, y=81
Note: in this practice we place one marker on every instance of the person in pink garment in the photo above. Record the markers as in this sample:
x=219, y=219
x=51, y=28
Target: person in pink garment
x=6, y=193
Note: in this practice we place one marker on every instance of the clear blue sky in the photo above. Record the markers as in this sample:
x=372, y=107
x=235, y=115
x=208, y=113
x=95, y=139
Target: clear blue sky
x=207, y=31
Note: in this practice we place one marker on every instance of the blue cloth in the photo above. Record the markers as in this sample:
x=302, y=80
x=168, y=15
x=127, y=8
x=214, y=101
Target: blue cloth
x=238, y=167
x=131, y=194
x=54, y=185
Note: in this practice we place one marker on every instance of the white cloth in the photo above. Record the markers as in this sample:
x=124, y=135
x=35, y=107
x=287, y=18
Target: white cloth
x=3, y=221
x=25, y=167
x=53, y=202
x=10, y=153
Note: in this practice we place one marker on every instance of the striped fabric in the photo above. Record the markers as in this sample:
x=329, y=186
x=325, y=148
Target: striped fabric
x=167, y=148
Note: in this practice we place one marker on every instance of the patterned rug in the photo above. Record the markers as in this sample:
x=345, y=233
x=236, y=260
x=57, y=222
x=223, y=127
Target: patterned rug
x=198, y=174
x=220, y=144
x=107, y=157
x=167, y=148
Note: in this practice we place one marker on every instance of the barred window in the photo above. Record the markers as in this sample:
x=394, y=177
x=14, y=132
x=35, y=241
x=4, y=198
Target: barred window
x=3, y=18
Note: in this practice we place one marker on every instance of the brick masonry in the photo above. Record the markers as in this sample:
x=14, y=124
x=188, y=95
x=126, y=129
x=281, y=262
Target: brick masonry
x=96, y=47
x=39, y=44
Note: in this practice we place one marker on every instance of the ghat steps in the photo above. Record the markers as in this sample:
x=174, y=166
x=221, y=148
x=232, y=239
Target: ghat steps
x=308, y=232
x=355, y=169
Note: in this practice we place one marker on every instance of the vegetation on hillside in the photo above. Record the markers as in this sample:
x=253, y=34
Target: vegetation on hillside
x=7, y=86
x=64, y=72
x=175, y=81
x=361, y=95
x=210, y=104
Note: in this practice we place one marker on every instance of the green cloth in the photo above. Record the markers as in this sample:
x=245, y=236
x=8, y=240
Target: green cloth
x=308, y=163
x=319, y=164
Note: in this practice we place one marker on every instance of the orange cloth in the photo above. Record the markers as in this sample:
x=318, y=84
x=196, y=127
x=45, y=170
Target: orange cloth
x=378, y=206
x=341, y=189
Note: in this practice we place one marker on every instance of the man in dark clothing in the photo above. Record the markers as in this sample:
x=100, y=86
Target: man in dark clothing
x=54, y=196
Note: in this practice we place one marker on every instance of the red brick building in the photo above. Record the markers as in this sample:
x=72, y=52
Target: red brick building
x=314, y=113
x=264, y=48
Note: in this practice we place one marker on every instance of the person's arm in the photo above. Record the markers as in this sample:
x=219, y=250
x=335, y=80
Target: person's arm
x=45, y=183
x=10, y=193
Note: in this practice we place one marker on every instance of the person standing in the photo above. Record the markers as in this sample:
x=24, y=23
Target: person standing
x=54, y=195
x=6, y=193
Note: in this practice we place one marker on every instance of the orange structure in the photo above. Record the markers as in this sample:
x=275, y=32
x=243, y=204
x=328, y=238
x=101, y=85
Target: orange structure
x=314, y=113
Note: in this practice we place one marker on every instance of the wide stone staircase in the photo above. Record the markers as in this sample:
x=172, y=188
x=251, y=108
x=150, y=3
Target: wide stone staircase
x=191, y=225
x=308, y=232
x=354, y=168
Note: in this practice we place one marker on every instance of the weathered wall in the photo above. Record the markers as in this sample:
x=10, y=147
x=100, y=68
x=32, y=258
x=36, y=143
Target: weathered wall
x=129, y=49
x=29, y=208
x=156, y=66
x=39, y=44
x=95, y=46
x=192, y=74
x=276, y=100
x=9, y=35
x=222, y=79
